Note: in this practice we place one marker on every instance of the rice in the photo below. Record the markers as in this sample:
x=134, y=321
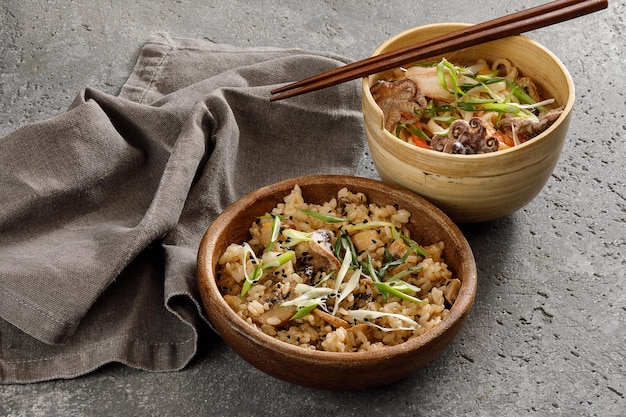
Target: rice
x=353, y=282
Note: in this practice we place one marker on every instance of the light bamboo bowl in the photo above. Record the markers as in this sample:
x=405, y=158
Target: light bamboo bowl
x=333, y=370
x=474, y=188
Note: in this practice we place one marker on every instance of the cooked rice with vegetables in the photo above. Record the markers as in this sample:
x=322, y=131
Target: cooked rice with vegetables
x=342, y=276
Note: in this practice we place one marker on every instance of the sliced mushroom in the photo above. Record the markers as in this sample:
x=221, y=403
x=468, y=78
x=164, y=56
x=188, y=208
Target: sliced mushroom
x=330, y=319
x=321, y=250
x=276, y=315
x=451, y=290
x=364, y=328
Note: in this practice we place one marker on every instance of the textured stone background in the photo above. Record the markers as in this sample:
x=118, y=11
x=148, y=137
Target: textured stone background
x=547, y=333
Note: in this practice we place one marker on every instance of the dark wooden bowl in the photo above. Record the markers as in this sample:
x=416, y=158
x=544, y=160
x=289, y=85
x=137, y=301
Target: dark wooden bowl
x=331, y=370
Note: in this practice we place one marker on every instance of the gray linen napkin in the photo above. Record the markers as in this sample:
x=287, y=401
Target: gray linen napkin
x=102, y=208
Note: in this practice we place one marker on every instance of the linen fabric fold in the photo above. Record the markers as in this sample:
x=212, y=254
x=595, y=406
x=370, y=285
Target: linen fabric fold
x=103, y=207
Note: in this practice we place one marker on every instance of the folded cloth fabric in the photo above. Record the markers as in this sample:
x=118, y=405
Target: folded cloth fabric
x=102, y=208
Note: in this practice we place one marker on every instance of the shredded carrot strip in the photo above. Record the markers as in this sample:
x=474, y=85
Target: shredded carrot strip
x=417, y=141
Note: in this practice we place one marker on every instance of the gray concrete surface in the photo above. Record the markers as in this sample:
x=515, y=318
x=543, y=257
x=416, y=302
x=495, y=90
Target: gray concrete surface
x=547, y=333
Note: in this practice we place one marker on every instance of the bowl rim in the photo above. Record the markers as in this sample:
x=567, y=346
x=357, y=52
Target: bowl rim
x=567, y=110
x=458, y=312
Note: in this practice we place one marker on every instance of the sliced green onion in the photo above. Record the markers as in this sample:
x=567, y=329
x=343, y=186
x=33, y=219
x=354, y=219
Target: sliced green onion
x=259, y=267
x=403, y=286
x=413, y=130
x=519, y=92
x=337, y=248
x=341, y=275
x=424, y=64
x=256, y=273
x=409, y=242
x=295, y=236
x=303, y=311
x=489, y=78
x=310, y=298
x=398, y=291
x=310, y=291
x=347, y=290
x=369, y=267
x=489, y=105
x=432, y=111
x=453, y=72
x=350, y=250
x=444, y=108
x=368, y=315
x=441, y=74
x=280, y=260
x=394, y=262
x=444, y=119
x=365, y=226
x=274, y=234
x=325, y=217
x=404, y=273
x=395, y=286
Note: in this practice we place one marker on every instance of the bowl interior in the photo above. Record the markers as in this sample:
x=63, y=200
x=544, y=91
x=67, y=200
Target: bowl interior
x=428, y=225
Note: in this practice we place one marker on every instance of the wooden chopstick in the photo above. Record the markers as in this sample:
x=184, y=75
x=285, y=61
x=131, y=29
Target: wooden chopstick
x=509, y=25
x=470, y=30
